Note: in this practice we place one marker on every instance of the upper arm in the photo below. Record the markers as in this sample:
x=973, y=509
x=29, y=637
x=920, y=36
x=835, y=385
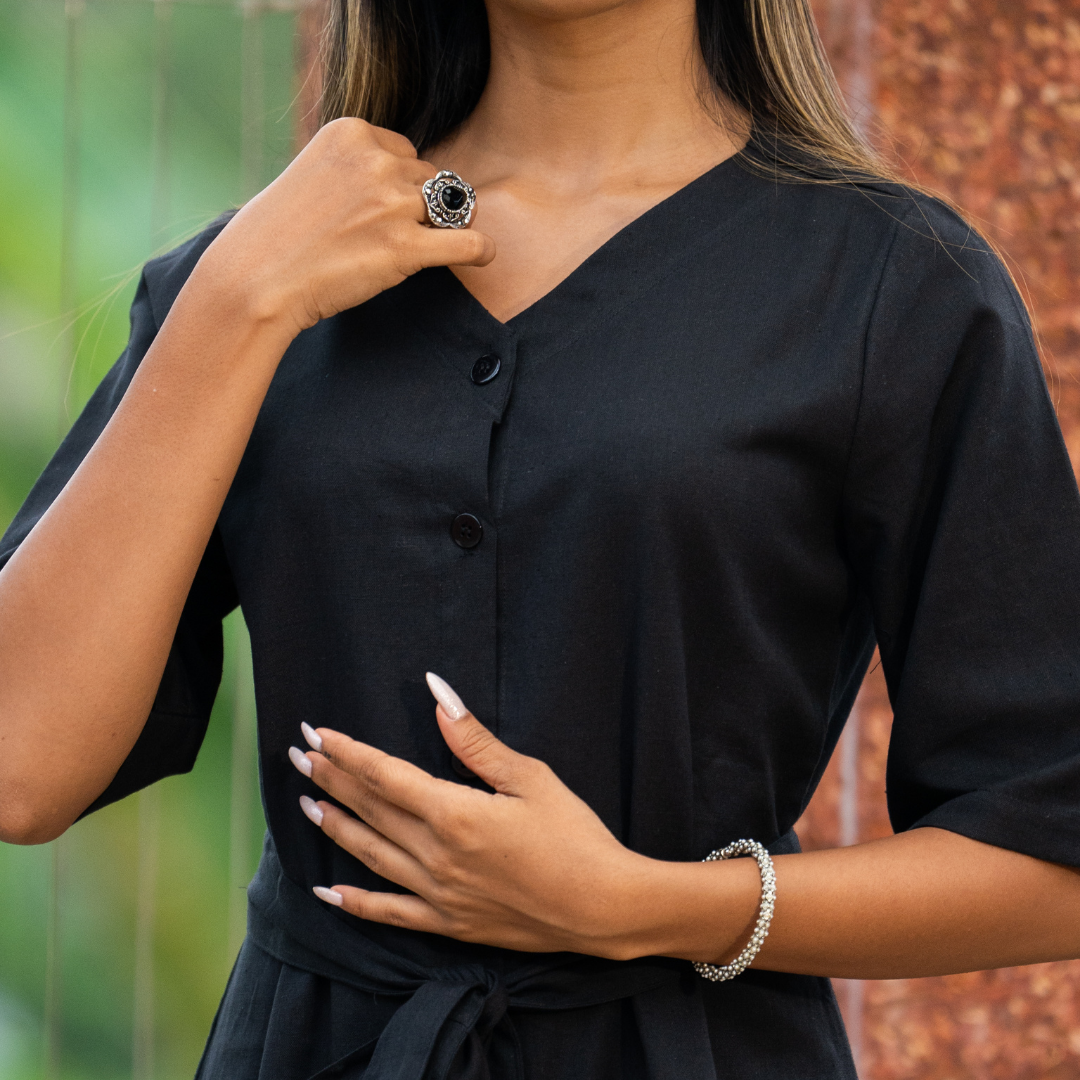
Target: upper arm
x=963, y=524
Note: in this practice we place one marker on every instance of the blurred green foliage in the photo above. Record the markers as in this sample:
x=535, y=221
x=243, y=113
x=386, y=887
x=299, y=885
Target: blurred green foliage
x=120, y=59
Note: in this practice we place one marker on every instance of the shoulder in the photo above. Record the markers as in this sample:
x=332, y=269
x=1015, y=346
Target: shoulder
x=925, y=263
x=934, y=241
x=941, y=271
x=915, y=228
x=164, y=276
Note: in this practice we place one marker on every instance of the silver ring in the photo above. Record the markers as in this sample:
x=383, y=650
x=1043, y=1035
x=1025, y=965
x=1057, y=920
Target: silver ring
x=450, y=201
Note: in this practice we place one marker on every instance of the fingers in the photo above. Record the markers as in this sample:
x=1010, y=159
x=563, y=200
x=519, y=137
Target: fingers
x=370, y=781
x=395, y=910
x=373, y=849
x=455, y=247
x=351, y=129
x=394, y=143
x=507, y=771
x=400, y=826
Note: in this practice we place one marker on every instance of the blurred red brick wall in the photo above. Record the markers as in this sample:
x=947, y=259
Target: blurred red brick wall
x=980, y=100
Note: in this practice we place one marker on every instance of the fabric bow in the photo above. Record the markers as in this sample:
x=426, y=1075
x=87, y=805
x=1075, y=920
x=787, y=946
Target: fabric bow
x=456, y=1022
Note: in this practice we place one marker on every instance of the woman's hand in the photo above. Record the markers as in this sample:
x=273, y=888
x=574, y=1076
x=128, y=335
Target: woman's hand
x=346, y=220
x=529, y=867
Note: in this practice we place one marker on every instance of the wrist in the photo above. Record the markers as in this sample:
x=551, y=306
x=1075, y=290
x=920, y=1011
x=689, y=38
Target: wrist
x=690, y=911
x=228, y=287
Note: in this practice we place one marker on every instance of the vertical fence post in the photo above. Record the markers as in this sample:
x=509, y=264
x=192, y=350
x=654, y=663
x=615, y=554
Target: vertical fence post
x=252, y=98
x=161, y=191
x=53, y=1027
x=311, y=17
x=242, y=789
x=142, y=1027
x=242, y=786
x=69, y=221
x=69, y=207
x=849, y=33
x=848, y=752
x=149, y=807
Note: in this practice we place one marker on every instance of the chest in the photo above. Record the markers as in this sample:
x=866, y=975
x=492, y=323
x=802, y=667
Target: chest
x=691, y=403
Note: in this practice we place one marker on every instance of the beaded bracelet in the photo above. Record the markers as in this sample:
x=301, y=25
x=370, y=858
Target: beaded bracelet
x=723, y=972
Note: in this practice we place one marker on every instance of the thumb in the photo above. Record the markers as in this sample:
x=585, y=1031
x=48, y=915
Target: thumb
x=476, y=747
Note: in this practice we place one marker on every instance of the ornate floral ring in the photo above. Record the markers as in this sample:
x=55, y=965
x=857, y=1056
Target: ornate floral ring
x=450, y=201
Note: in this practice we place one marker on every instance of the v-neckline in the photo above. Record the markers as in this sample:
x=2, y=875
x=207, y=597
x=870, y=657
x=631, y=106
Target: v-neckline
x=598, y=253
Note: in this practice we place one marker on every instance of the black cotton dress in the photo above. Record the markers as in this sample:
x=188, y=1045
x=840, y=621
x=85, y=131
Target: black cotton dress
x=764, y=426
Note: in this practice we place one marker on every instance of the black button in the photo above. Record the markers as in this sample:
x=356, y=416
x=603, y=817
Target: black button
x=485, y=369
x=466, y=530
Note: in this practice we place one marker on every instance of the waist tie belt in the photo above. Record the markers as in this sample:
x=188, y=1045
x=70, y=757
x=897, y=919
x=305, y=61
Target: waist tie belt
x=455, y=1023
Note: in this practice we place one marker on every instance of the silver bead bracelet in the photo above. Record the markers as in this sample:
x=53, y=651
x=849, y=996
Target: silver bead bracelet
x=723, y=972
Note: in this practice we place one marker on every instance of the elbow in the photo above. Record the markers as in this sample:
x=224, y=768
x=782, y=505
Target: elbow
x=23, y=823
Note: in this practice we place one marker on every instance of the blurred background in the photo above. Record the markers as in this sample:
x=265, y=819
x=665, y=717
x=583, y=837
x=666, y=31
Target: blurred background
x=126, y=125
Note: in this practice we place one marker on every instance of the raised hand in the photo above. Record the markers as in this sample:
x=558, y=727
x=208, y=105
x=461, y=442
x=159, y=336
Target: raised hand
x=343, y=222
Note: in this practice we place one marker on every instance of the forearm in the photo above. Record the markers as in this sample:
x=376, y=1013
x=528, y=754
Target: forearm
x=927, y=902
x=90, y=601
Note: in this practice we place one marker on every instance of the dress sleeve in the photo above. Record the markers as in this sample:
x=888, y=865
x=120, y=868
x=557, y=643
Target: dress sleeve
x=174, y=730
x=962, y=521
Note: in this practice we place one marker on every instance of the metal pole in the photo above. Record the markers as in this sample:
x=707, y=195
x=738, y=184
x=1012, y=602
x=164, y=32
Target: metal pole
x=142, y=1027
x=252, y=98
x=53, y=1027
x=850, y=33
x=849, y=834
x=160, y=209
x=242, y=786
x=242, y=789
x=69, y=207
x=143, y=1013
x=52, y=1018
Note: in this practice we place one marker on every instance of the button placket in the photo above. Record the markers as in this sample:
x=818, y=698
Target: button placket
x=483, y=356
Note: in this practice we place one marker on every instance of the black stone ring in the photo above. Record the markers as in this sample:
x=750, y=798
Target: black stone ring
x=450, y=201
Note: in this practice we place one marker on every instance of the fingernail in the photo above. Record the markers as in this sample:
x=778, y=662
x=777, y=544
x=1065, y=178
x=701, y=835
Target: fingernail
x=312, y=809
x=300, y=760
x=451, y=703
x=314, y=739
x=329, y=895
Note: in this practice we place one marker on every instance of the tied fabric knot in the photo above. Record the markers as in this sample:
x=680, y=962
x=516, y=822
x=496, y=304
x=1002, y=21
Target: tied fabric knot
x=454, y=1027
x=455, y=1021
x=445, y=1031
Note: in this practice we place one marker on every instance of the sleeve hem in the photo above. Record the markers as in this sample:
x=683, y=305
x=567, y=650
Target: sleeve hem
x=167, y=746
x=1006, y=822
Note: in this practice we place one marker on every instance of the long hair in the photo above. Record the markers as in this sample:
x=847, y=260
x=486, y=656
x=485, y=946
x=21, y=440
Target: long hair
x=419, y=66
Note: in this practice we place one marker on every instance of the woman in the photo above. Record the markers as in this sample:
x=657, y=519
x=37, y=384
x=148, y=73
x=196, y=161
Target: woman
x=700, y=410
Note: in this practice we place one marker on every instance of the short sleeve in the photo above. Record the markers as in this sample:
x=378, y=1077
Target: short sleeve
x=174, y=730
x=962, y=521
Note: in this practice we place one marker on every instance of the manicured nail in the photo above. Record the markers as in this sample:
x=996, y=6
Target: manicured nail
x=329, y=895
x=300, y=760
x=312, y=809
x=314, y=739
x=451, y=703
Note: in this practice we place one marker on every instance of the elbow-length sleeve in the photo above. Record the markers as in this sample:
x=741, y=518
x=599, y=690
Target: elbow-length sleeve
x=174, y=730
x=962, y=520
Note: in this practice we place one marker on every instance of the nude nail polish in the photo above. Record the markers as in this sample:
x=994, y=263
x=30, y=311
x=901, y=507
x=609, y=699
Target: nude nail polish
x=314, y=739
x=445, y=696
x=312, y=809
x=328, y=895
x=300, y=760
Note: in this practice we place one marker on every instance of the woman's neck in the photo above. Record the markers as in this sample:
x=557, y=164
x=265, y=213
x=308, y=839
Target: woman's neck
x=592, y=114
